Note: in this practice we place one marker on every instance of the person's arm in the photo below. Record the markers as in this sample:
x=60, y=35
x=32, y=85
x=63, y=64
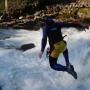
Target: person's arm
x=44, y=39
x=43, y=42
x=76, y=25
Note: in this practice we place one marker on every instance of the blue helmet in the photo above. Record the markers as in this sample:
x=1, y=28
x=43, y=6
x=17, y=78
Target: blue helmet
x=47, y=19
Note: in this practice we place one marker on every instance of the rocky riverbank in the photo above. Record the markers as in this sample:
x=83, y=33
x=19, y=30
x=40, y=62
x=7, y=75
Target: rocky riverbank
x=78, y=11
x=34, y=24
x=20, y=23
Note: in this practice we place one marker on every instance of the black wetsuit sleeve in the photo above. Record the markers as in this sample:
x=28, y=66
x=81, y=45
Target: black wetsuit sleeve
x=65, y=24
x=44, y=39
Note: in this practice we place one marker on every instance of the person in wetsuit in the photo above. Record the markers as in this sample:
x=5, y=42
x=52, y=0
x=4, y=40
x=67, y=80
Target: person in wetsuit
x=52, y=31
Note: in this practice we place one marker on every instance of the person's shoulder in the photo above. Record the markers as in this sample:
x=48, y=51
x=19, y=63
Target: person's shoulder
x=58, y=24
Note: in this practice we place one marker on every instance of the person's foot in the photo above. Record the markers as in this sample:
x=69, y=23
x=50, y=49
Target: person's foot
x=70, y=70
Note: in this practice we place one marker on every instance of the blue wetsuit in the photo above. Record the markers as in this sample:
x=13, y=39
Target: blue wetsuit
x=53, y=32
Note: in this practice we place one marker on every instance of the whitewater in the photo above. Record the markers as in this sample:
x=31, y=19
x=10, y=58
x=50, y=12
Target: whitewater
x=25, y=71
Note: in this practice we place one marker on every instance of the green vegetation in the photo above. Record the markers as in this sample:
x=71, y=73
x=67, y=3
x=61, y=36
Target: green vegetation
x=2, y=5
x=84, y=11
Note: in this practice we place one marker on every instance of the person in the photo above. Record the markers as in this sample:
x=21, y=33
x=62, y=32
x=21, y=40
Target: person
x=58, y=45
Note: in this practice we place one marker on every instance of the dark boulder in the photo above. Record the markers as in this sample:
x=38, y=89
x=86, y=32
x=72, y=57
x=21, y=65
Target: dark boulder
x=25, y=47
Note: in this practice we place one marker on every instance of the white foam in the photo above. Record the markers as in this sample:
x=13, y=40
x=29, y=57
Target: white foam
x=25, y=71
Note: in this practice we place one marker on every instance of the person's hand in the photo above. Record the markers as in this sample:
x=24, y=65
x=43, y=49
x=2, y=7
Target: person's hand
x=40, y=54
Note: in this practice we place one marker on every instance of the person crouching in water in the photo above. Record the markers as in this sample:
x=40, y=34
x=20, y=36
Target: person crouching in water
x=52, y=30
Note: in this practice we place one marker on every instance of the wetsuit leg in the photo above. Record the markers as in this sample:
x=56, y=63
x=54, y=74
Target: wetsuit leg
x=55, y=66
x=66, y=56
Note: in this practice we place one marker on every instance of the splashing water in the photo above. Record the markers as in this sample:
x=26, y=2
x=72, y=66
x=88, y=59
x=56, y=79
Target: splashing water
x=25, y=71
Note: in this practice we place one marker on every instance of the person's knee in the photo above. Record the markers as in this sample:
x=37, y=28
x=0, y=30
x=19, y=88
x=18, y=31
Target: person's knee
x=53, y=67
x=52, y=62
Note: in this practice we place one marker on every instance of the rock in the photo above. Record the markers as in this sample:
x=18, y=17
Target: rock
x=25, y=47
x=21, y=17
x=1, y=17
x=31, y=17
x=37, y=13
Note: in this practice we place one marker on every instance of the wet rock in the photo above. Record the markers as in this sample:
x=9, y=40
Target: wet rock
x=25, y=47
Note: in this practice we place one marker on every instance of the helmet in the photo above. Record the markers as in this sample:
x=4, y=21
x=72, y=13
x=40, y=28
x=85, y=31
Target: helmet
x=47, y=19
